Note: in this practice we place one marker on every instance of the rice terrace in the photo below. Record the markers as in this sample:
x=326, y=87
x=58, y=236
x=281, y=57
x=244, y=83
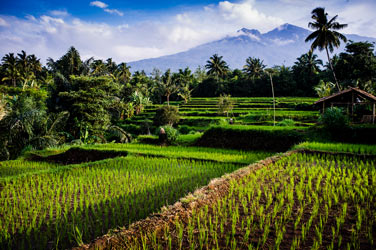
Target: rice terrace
x=269, y=144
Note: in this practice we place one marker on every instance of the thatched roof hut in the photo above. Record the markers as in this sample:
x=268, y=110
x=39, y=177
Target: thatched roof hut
x=349, y=98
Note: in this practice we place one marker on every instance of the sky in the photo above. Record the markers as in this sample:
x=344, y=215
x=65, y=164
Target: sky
x=128, y=30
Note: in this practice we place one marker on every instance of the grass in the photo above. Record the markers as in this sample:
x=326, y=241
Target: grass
x=361, y=149
x=48, y=205
x=181, y=152
x=299, y=202
x=201, y=112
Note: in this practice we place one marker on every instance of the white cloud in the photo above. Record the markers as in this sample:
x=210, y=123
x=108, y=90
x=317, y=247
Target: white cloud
x=114, y=11
x=3, y=22
x=61, y=13
x=51, y=35
x=104, y=6
x=280, y=42
x=358, y=14
x=99, y=4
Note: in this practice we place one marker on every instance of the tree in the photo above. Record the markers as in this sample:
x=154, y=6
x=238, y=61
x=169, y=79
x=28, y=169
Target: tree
x=111, y=66
x=11, y=72
x=29, y=67
x=70, y=63
x=225, y=104
x=324, y=88
x=217, y=67
x=98, y=68
x=139, y=102
x=166, y=115
x=254, y=68
x=86, y=66
x=167, y=86
x=123, y=74
x=23, y=66
x=325, y=35
x=306, y=72
x=89, y=102
x=200, y=74
x=357, y=65
x=184, y=79
x=27, y=123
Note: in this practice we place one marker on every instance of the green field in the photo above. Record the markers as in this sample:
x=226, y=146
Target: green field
x=302, y=201
x=321, y=195
x=199, y=113
x=50, y=205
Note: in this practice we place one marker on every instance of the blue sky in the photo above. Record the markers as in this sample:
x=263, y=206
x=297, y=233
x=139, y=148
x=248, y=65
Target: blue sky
x=133, y=30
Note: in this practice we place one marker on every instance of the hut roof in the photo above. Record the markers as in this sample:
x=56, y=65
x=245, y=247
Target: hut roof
x=358, y=91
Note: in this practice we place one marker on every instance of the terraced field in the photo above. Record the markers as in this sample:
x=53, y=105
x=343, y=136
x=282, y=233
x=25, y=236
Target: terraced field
x=48, y=205
x=199, y=113
x=302, y=200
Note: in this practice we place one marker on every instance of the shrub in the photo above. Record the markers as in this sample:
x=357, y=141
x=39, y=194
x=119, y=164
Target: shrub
x=171, y=133
x=286, y=123
x=117, y=134
x=184, y=129
x=223, y=122
x=166, y=115
x=225, y=104
x=251, y=137
x=334, y=119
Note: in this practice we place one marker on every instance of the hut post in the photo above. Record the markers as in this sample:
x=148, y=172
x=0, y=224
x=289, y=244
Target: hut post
x=323, y=107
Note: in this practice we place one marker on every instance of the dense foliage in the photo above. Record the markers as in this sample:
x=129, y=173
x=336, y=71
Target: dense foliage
x=166, y=115
x=80, y=101
x=334, y=119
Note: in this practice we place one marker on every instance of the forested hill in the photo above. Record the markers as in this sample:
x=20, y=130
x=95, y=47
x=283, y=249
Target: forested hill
x=280, y=46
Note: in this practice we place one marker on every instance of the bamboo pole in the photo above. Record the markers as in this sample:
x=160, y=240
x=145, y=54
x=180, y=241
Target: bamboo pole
x=271, y=82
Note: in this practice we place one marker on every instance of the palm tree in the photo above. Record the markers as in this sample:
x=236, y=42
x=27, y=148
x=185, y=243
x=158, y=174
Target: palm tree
x=325, y=35
x=23, y=65
x=70, y=63
x=98, y=68
x=216, y=66
x=139, y=101
x=123, y=74
x=52, y=65
x=34, y=64
x=254, y=67
x=167, y=86
x=310, y=62
x=324, y=88
x=86, y=66
x=11, y=73
x=111, y=66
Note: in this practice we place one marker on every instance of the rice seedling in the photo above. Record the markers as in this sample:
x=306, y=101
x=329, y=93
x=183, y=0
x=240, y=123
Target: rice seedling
x=310, y=207
x=63, y=206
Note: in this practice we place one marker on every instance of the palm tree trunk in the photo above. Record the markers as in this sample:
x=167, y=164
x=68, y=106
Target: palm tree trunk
x=168, y=100
x=331, y=67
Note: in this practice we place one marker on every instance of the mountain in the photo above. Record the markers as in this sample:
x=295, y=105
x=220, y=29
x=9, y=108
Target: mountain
x=281, y=45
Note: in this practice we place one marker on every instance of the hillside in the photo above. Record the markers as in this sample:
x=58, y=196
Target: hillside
x=281, y=45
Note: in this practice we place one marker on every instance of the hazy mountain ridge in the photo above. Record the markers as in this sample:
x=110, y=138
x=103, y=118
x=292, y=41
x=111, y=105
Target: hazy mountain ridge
x=281, y=45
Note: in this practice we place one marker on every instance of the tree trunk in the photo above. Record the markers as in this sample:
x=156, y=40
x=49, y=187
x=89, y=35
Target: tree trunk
x=331, y=67
x=168, y=100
